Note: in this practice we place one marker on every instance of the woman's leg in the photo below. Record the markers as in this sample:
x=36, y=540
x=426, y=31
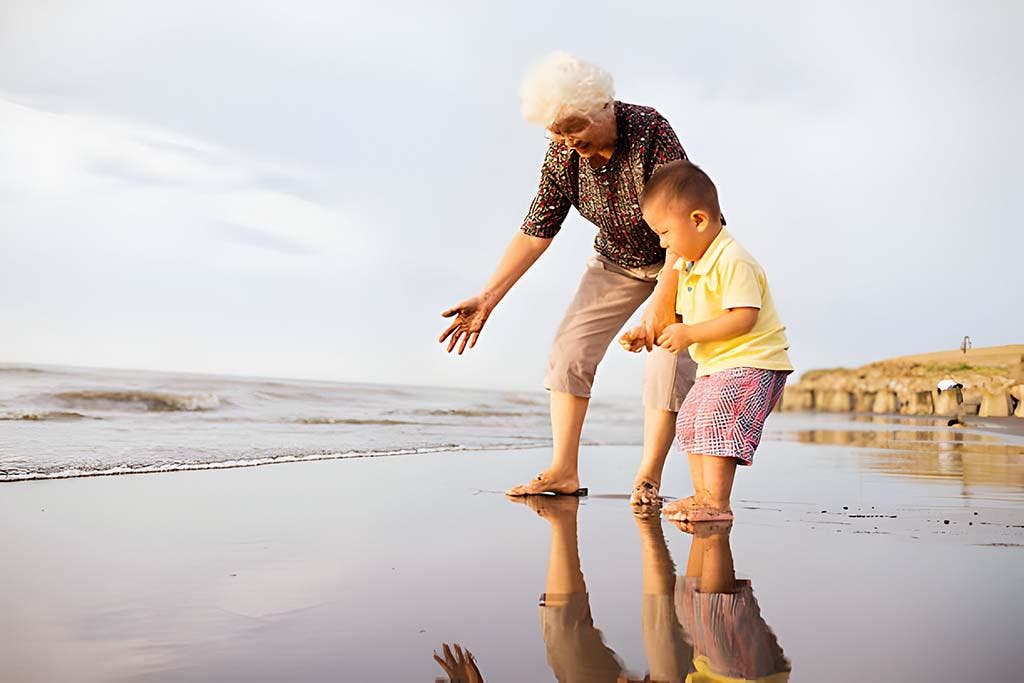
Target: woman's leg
x=659, y=433
x=564, y=574
x=562, y=476
x=668, y=654
x=567, y=415
x=604, y=301
x=667, y=380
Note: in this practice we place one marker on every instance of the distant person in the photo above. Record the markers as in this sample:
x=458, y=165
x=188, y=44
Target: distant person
x=730, y=327
x=601, y=154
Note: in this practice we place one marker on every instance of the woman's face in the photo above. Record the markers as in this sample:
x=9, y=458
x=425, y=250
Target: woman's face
x=585, y=135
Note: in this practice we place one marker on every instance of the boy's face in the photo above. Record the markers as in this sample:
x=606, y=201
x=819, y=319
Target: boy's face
x=680, y=228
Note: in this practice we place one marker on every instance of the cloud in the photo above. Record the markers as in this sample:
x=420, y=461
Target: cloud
x=125, y=167
x=280, y=184
x=282, y=215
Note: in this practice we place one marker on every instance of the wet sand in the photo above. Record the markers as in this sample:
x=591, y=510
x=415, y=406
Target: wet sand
x=873, y=552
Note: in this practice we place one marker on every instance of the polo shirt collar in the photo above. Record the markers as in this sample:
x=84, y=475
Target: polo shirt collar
x=710, y=257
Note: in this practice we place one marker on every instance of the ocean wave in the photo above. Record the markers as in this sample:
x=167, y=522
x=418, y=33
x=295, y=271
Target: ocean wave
x=72, y=472
x=20, y=474
x=351, y=421
x=150, y=401
x=527, y=401
x=477, y=412
x=54, y=415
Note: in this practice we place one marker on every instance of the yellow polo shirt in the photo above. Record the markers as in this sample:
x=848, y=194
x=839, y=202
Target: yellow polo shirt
x=725, y=277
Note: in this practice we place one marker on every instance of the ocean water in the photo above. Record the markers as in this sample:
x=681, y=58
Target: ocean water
x=60, y=422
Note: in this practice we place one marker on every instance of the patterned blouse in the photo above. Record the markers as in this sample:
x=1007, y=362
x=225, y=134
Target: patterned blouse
x=608, y=197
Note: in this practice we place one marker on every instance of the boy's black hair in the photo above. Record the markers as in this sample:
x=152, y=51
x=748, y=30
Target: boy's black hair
x=685, y=183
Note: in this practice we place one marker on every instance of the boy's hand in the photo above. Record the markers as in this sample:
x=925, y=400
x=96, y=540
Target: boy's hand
x=634, y=339
x=675, y=338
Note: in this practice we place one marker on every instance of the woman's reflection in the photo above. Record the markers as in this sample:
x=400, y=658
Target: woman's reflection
x=576, y=650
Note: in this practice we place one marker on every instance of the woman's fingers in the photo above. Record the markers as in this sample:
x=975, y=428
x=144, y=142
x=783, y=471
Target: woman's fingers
x=649, y=335
x=455, y=339
x=451, y=328
x=472, y=339
x=465, y=340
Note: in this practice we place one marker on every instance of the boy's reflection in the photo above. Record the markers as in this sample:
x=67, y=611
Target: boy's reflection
x=704, y=627
x=731, y=641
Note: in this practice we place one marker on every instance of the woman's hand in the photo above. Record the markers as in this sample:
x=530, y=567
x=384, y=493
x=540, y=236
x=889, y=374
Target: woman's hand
x=471, y=315
x=460, y=667
x=634, y=340
x=675, y=338
x=661, y=308
x=655, y=319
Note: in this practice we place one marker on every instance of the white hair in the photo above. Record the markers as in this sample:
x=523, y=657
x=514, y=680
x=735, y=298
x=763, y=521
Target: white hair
x=561, y=85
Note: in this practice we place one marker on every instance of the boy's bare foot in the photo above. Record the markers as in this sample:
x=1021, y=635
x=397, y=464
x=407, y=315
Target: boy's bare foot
x=677, y=509
x=549, y=482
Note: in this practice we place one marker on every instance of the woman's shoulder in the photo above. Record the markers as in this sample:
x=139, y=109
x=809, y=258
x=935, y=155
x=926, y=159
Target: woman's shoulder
x=639, y=117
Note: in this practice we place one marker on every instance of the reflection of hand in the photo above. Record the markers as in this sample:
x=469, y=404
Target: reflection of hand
x=675, y=338
x=460, y=667
x=471, y=316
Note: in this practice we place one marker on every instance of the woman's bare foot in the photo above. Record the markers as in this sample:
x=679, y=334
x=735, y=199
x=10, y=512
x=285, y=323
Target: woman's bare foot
x=551, y=508
x=646, y=492
x=549, y=482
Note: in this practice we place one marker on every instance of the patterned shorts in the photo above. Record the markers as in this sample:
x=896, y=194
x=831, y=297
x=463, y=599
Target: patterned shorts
x=724, y=412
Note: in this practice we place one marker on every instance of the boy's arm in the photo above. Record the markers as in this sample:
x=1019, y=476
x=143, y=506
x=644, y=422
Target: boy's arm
x=742, y=289
x=733, y=323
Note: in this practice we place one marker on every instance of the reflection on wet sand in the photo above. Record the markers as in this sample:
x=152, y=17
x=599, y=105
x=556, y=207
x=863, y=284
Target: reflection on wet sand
x=975, y=459
x=731, y=641
x=704, y=627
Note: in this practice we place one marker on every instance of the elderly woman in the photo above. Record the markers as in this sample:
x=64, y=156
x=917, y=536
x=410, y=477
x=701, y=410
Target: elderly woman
x=601, y=154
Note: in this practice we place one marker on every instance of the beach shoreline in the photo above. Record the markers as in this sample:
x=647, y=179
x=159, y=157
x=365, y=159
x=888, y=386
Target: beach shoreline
x=323, y=570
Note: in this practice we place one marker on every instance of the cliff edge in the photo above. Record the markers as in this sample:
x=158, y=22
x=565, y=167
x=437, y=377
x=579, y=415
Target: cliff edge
x=992, y=379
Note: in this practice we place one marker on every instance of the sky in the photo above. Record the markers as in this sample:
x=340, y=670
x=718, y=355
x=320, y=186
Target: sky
x=299, y=189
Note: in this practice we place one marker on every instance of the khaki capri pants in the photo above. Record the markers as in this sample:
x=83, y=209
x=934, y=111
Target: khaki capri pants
x=607, y=296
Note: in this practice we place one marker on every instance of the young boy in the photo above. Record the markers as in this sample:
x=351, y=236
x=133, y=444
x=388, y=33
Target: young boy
x=731, y=330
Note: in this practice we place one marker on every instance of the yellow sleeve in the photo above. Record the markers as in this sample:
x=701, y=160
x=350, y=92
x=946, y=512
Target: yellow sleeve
x=742, y=285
